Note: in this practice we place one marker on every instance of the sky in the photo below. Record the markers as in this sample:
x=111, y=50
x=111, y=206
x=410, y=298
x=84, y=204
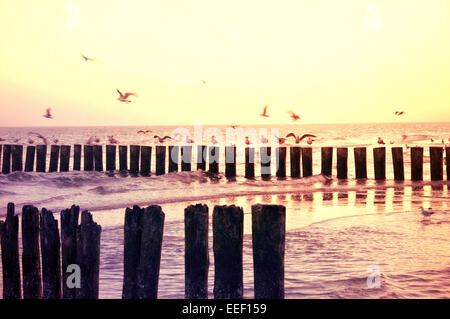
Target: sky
x=330, y=61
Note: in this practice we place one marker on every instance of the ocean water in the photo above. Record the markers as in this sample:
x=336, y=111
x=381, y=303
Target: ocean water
x=338, y=232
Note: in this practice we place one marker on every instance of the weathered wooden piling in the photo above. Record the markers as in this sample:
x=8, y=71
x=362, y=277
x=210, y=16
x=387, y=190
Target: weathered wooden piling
x=65, y=158
x=146, y=160
x=268, y=236
x=307, y=161
x=88, y=256
x=379, y=162
x=9, y=235
x=447, y=161
x=174, y=152
x=6, y=161
x=196, y=251
x=228, y=231
x=135, y=151
x=123, y=158
x=50, y=254
x=230, y=162
x=327, y=161
x=201, y=157
x=111, y=157
x=29, y=158
x=249, y=162
x=98, y=158
x=1, y=148
x=213, y=159
x=54, y=157
x=398, y=165
x=131, y=252
x=342, y=162
x=69, y=223
x=281, y=161
x=265, y=153
x=360, y=162
x=41, y=158
x=295, y=161
x=152, y=226
x=160, y=160
x=17, y=158
x=77, y=157
x=436, y=163
x=186, y=158
x=88, y=151
x=31, y=264
x=416, y=163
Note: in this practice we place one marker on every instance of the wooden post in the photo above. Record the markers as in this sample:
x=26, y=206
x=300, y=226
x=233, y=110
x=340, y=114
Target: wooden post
x=201, y=157
x=295, y=161
x=88, y=158
x=50, y=253
x=111, y=157
x=230, y=162
x=1, y=148
x=65, y=158
x=342, y=162
x=77, y=157
x=152, y=225
x=160, y=160
x=397, y=162
x=186, y=158
x=228, y=231
x=88, y=256
x=69, y=223
x=29, y=158
x=214, y=159
x=265, y=159
x=307, y=164
x=173, y=158
x=281, y=162
x=447, y=162
x=360, y=162
x=268, y=236
x=249, y=162
x=134, y=159
x=196, y=251
x=41, y=158
x=123, y=158
x=98, y=158
x=6, y=161
x=146, y=160
x=17, y=158
x=379, y=162
x=416, y=163
x=9, y=234
x=31, y=264
x=436, y=165
x=327, y=161
x=54, y=157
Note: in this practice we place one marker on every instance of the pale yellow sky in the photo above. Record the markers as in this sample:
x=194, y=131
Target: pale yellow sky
x=330, y=61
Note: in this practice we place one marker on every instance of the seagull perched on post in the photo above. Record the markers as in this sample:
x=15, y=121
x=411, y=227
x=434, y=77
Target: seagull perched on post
x=426, y=213
x=48, y=113
x=124, y=97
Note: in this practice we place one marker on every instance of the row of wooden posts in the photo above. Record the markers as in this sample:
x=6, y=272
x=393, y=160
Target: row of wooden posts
x=143, y=235
x=140, y=160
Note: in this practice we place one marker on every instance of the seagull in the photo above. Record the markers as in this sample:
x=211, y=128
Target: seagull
x=234, y=126
x=189, y=140
x=213, y=140
x=55, y=141
x=299, y=138
x=112, y=140
x=93, y=139
x=43, y=138
x=309, y=141
x=48, y=113
x=247, y=141
x=16, y=140
x=380, y=141
x=86, y=59
x=398, y=113
x=30, y=140
x=144, y=132
x=281, y=140
x=162, y=139
x=426, y=213
x=264, y=140
x=294, y=116
x=264, y=113
x=124, y=97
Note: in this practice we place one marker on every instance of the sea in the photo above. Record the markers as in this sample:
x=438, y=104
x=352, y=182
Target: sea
x=344, y=238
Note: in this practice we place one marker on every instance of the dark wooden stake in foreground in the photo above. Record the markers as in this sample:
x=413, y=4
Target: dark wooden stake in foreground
x=397, y=161
x=160, y=160
x=379, y=162
x=327, y=160
x=196, y=251
x=9, y=233
x=201, y=157
x=307, y=164
x=186, y=157
x=416, y=163
x=29, y=158
x=265, y=159
x=342, y=162
x=69, y=223
x=31, y=264
x=65, y=158
x=295, y=161
x=214, y=153
x=17, y=158
x=268, y=235
x=436, y=163
x=88, y=157
x=174, y=152
x=6, y=161
x=228, y=230
x=281, y=162
x=77, y=157
x=360, y=162
x=230, y=162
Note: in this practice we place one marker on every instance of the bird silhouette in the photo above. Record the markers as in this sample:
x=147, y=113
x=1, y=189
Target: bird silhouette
x=86, y=59
x=398, y=113
x=380, y=141
x=234, y=126
x=264, y=113
x=124, y=97
x=281, y=140
x=112, y=140
x=30, y=140
x=299, y=138
x=38, y=135
x=162, y=139
x=426, y=213
x=294, y=116
x=247, y=141
x=144, y=132
x=48, y=113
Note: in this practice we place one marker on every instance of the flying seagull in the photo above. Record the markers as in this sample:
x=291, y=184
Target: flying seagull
x=144, y=132
x=398, y=113
x=48, y=113
x=264, y=113
x=299, y=138
x=86, y=59
x=162, y=139
x=124, y=97
x=294, y=116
